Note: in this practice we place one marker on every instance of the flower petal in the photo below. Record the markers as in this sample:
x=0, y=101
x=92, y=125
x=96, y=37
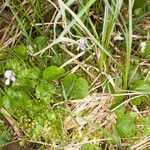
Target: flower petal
x=118, y=37
x=82, y=44
x=30, y=49
x=12, y=78
x=143, y=46
x=7, y=82
x=8, y=74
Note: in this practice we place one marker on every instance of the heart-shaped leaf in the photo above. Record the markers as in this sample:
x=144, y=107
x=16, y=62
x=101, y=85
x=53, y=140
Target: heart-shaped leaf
x=75, y=88
x=69, y=82
x=53, y=73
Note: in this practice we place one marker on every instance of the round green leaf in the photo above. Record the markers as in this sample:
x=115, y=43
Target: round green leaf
x=53, y=73
x=21, y=51
x=69, y=82
x=125, y=126
x=80, y=88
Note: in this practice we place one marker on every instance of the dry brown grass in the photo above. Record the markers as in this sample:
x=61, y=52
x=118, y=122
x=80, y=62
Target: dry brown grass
x=142, y=144
x=88, y=115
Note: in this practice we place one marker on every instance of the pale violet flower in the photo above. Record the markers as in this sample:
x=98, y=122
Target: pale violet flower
x=10, y=76
x=118, y=37
x=31, y=51
x=82, y=44
x=143, y=46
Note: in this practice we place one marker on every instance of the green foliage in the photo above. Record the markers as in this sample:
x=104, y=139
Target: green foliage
x=118, y=99
x=125, y=126
x=3, y=54
x=69, y=82
x=21, y=51
x=13, y=64
x=5, y=136
x=90, y=146
x=140, y=7
x=27, y=77
x=40, y=42
x=1, y=68
x=76, y=88
x=142, y=86
x=16, y=98
x=53, y=73
x=32, y=73
x=146, y=125
x=59, y=59
x=136, y=101
x=134, y=75
x=44, y=91
x=118, y=82
x=1, y=101
x=35, y=99
x=80, y=88
x=107, y=87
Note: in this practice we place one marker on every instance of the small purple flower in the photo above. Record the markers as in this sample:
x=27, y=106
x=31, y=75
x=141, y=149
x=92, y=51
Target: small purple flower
x=82, y=44
x=10, y=76
x=30, y=49
x=118, y=37
x=143, y=46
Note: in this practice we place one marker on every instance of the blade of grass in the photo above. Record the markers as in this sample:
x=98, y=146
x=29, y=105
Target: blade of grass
x=59, y=15
x=108, y=27
x=128, y=45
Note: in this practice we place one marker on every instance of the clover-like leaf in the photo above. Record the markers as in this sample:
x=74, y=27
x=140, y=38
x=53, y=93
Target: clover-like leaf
x=53, y=73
